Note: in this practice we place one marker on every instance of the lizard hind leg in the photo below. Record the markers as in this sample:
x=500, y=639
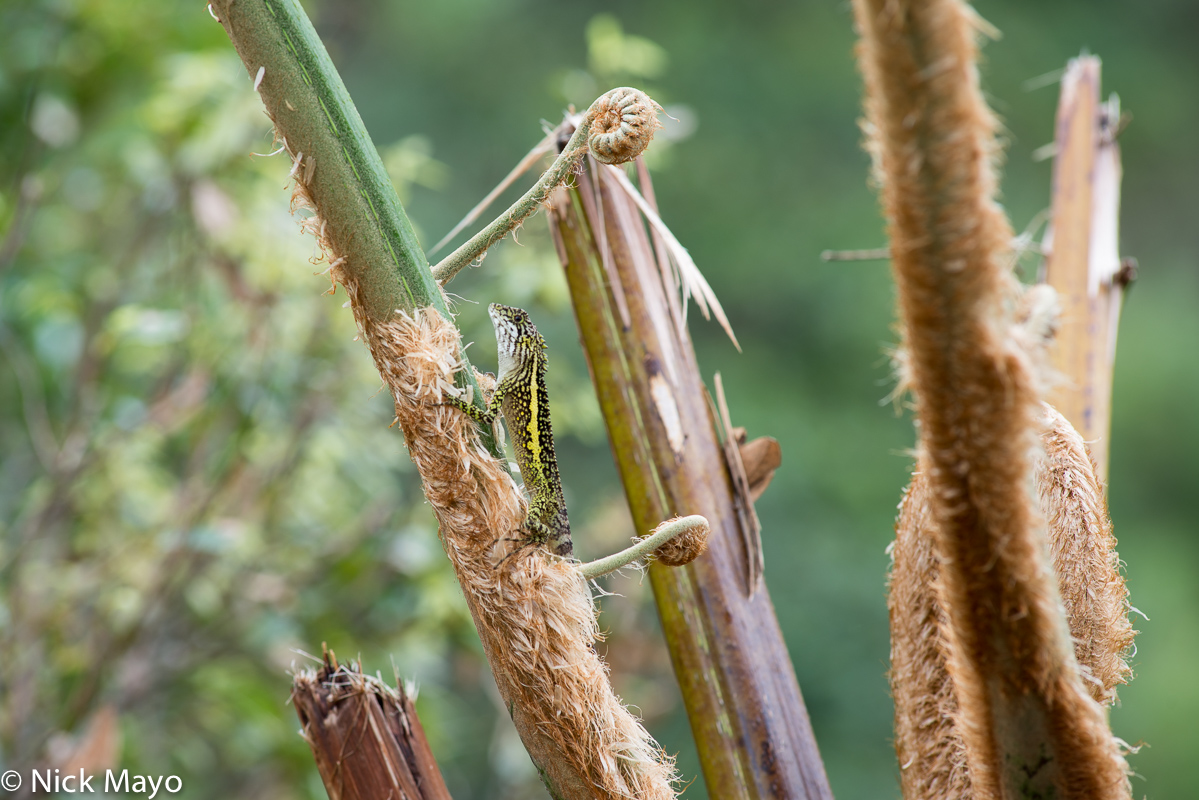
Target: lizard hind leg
x=526, y=543
x=536, y=534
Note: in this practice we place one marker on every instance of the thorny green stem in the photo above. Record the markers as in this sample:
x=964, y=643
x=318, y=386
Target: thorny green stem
x=522, y=209
x=661, y=535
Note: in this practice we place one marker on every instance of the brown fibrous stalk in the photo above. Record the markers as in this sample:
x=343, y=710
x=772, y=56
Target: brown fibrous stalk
x=931, y=752
x=1028, y=722
x=533, y=611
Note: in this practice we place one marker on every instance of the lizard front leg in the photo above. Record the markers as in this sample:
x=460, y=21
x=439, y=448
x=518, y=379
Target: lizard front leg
x=485, y=417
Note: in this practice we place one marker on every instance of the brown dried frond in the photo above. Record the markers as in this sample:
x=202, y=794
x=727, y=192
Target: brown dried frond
x=533, y=612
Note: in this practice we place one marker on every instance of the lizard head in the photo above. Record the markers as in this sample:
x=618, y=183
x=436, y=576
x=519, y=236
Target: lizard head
x=516, y=336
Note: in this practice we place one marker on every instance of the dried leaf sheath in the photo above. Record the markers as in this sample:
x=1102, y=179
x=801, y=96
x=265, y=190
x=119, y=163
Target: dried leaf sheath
x=534, y=614
x=1083, y=259
x=932, y=756
x=1028, y=722
x=1083, y=548
x=743, y=702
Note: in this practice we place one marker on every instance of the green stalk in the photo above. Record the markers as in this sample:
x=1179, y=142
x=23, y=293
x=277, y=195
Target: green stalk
x=615, y=129
x=337, y=161
x=363, y=228
x=519, y=211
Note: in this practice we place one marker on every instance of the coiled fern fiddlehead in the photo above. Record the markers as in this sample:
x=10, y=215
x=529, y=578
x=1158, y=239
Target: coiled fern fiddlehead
x=616, y=128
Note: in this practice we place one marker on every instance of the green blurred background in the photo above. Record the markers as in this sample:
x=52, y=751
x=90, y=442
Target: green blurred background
x=196, y=475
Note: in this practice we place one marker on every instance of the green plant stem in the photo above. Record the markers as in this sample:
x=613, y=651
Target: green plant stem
x=337, y=162
x=519, y=211
x=663, y=534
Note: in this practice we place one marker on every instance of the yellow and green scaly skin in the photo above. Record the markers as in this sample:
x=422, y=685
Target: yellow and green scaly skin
x=521, y=397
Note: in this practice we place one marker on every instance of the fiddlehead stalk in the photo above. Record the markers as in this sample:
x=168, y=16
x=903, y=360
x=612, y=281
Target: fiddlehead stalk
x=695, y=525
x=616, y=128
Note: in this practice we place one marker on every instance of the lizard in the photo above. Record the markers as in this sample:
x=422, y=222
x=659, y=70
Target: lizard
x=520, y=395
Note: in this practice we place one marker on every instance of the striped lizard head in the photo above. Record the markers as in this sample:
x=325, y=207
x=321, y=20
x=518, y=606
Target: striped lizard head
x=516, y=337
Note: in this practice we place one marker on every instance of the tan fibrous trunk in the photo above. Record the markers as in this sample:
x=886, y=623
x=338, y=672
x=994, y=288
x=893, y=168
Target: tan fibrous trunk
x=1027, y=720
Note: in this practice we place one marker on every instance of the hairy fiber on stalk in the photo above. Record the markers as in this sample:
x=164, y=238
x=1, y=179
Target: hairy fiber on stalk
x=1028, y=722
x=931, y=751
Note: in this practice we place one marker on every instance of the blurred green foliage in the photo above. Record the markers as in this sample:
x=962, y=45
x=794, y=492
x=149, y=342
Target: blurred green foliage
x=198, y=480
